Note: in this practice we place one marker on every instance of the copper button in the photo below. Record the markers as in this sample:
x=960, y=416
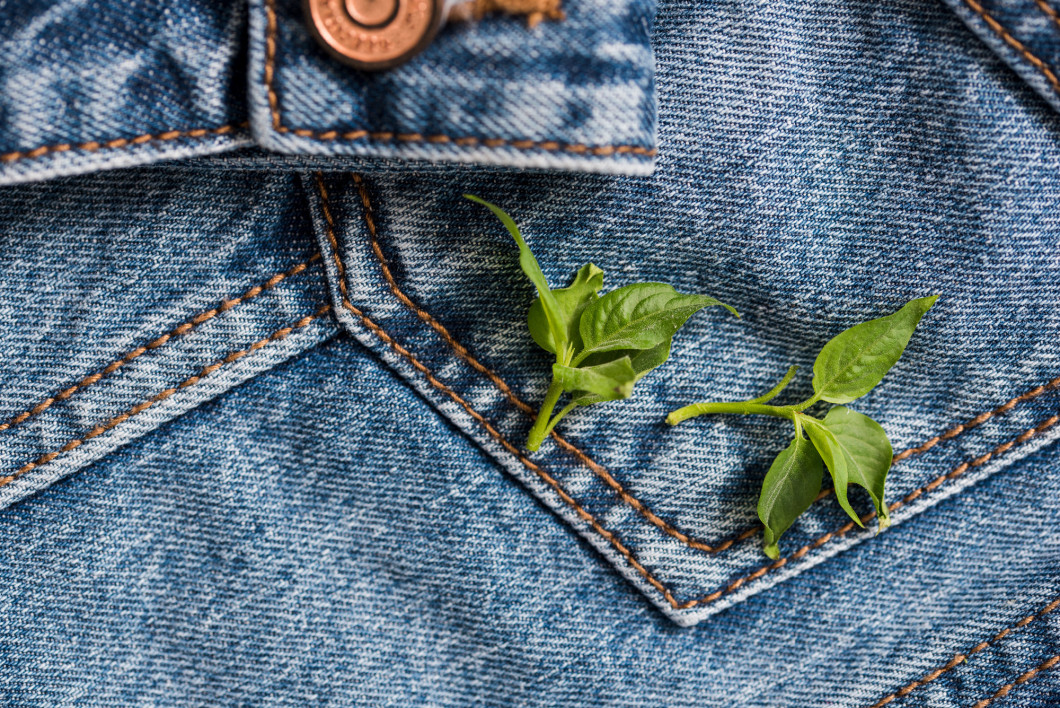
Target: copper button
x=375, y=34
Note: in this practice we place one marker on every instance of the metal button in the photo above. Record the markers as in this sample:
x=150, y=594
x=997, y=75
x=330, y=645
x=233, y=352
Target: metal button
x=375, y=34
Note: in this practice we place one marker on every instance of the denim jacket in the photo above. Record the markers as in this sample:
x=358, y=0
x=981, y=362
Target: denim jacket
x=267, y=377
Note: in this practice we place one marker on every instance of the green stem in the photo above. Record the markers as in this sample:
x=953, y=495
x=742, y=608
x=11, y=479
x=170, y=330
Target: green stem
x=778, y=388
x=556, y=418
x=754, y=406
x=541, y=426
x=729, y=407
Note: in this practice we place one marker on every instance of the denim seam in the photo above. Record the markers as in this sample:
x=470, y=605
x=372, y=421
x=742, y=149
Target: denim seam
x=1020, y=680
x=849, y=526
x=958, y=659
x=568, y=499
x=390, y=136
x=163, y=395
x=380, y=333
x=1000, y=30
x=187, y=326
x=600, y=470
x=94, y=146
x=1048, y=10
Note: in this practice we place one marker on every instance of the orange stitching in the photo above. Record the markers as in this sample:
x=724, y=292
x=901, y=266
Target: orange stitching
x=1048, y=10
x=600, y=470
x=839, y=533
x=589, y=518
x=960, y=658
x=389, y=136
x=191, y=324
x=1015, y=44
x=1004, y=690
x=519, y=403
x=93, y=145
x=493, y=432
x=157, y=398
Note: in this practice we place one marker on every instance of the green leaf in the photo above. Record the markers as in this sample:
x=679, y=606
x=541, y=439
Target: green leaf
x=855, y=360
x=639, y=316
x=643, y=361
x=533, y=271
x=790, y=487
x=868, y=451
x=648, y=359
x=824, y=440
x=570, y=303
x=609, y=382
x=856, y=451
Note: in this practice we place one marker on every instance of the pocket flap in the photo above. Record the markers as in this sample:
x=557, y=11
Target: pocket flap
x=434, y=287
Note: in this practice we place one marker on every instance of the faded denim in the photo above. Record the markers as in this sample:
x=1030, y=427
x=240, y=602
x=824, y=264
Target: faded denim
x=265, y=408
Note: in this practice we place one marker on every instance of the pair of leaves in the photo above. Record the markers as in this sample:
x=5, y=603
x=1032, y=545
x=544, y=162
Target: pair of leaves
x=603, y=344
x=856, y=451
x=853, y=447
x=616, y=339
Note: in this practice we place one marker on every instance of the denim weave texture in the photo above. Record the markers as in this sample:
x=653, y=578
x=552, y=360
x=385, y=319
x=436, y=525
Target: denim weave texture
x=262, y=407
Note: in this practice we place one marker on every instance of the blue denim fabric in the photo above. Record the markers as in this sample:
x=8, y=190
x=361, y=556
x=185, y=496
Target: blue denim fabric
x=91, y=85
x=263, y=424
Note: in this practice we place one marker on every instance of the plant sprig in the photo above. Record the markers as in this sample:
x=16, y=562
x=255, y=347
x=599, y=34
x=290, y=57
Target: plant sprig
x=603, y=344
x=853, y=447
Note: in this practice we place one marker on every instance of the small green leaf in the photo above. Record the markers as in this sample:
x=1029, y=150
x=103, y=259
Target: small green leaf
x=533, y=271
x=868, y=451
x=824, y=440
x=790, y=487
x=855, y=360
x=856, y=451
x=570, y=302
x=639, y=316
x=643, y=361
x=610, y=381
x=647, y=359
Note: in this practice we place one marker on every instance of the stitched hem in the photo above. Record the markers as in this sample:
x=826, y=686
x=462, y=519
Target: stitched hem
x=117, y=143
x=159, y=397
x=1004, y=34
x=271, y=33
x=958, y=659
x=1004, y=690
x=600, y=470
x=189, y=325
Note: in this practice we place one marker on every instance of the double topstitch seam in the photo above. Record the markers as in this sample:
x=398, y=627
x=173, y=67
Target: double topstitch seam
x=189, y=325
x=1007, y=37
x=959, y=659
x=163, y=395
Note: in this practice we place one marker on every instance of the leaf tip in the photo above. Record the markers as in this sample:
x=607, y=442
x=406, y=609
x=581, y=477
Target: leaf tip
x=929, y=301
x=772, y=550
